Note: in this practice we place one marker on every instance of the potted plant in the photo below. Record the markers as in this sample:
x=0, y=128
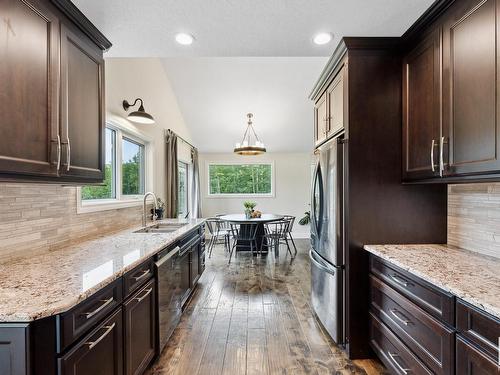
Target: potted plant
x=249, y=206
x=161, y=209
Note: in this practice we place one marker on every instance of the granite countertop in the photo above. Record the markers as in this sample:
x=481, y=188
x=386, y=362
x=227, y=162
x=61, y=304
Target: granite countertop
x=473, y=277
x=54, y=281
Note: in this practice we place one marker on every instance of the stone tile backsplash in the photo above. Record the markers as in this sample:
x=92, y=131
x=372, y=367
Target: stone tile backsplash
x=474, y=217
x=35, y=217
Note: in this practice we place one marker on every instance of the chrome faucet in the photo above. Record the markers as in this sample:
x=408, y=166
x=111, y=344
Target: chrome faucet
x=144, y=207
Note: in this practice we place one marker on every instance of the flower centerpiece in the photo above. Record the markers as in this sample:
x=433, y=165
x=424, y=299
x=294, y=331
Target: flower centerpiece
x=249, y=206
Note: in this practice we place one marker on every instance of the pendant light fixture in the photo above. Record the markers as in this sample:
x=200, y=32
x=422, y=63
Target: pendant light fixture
x=140, y=116
x=246, y=147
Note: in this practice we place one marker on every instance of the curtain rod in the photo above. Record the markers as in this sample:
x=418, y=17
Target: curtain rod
x=183, y=140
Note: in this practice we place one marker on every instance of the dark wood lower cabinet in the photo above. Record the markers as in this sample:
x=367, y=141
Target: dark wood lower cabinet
x=99, y=353
x=14, y=349
x=470, y=361
x=140, y=329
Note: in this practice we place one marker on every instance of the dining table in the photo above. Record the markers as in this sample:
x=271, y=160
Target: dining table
x=241, y=219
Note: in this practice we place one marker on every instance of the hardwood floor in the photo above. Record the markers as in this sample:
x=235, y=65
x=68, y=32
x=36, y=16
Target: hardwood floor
x=253, y=317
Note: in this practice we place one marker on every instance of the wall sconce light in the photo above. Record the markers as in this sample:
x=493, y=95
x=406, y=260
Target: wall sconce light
x=140, y=116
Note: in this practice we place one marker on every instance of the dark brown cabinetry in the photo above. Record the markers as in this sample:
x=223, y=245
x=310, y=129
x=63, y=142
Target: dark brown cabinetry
x=52, y=93
x=320, y=120
x=140, y=329
x=471, y=361
x=29, y=90
x=450, y=102
x=470, y=88
x=407, y=337
x=99, y=353
x=421, y=109
x=82, y=107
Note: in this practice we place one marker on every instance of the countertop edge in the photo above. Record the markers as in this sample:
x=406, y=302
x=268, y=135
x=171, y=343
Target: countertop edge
x=458, y=293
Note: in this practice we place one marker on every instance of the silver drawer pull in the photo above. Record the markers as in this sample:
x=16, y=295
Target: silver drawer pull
x=399, y=280
x=403, y=319
x=91, y=344
x=142, y=276
x=392, y=357
x=148, y=292
x=107, y=302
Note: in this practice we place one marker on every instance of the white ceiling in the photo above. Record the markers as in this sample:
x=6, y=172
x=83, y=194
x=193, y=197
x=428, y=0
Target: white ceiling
x=146, y=28
x=215, y=94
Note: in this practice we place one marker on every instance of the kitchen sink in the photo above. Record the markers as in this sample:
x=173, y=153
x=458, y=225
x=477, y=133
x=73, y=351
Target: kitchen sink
x=161, y=228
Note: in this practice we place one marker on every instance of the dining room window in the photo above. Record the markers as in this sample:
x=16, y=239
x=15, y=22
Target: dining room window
x=241, y=179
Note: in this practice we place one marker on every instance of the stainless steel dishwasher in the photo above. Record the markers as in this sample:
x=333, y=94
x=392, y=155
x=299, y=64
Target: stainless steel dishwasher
x=170, y=292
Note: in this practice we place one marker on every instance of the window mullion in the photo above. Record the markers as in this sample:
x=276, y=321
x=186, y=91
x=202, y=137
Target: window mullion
x=119, y=141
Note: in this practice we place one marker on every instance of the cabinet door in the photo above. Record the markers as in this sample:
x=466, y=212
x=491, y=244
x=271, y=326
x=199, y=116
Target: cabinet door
x=335, y=100
x=29, y=89
x=421, y=109
x=99, y=353
x=320, y=119
x=14, y=349
x=140, y=329
x=195, y=264
x=471, y=361
x=471, y=88
x=82, y=107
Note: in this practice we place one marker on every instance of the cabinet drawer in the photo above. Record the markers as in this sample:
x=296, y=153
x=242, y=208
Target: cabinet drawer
x=395, y=355
x=137, y=277
x=471, y=361
x=100, y=352
x=433, y=300
x=478, y=327
x=87, y=314
x=430, y=340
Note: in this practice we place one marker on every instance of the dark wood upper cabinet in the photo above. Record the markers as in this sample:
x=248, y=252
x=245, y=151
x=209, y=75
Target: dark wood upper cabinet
x=82, y=107
x=470, y=86
x=29, y=89
x=421, y=109
x=320, y=119
x=51, y=93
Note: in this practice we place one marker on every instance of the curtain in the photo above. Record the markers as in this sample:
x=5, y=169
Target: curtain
x=195, y=193
x=171, y=173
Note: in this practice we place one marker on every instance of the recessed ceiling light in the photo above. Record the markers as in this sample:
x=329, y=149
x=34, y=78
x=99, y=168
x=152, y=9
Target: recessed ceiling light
x=322, y=38
x=184, y=39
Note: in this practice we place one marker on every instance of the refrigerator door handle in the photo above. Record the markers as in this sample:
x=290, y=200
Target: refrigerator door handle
x=320, y=264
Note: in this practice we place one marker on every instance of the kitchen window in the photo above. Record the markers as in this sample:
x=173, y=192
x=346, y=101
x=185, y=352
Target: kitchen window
x=125, y=173
x=183, y=189
x=240, y=179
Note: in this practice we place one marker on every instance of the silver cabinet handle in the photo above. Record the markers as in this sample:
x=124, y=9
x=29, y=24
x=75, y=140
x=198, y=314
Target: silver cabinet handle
x=399, y=280
x=392, y=357
x=107, y=302
x=148, y=292
x=441, y=158
x=58, y=152
x=68, y=155
x=432, y=155
x=91, y=344
x=143, y=275
x=403, y=319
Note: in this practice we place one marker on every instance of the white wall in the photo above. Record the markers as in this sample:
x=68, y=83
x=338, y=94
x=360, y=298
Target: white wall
x=292, y=187
x=130, y=78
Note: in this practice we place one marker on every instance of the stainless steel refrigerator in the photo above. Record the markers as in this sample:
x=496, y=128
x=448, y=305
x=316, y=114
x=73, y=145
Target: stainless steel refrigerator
x=327, y=239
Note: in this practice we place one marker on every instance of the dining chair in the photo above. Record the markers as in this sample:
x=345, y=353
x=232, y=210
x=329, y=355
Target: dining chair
x=217, y=232
x=274, y=232
x=288, y=231
x=246, y=232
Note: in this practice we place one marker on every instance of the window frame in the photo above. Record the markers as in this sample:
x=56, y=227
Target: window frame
x=187, y=165
x=272, y=194
x=121, y=200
